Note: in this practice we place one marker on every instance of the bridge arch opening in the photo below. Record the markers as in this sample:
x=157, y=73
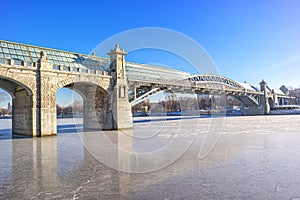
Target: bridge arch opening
x=21, y=108
x=90, y=107
x=5, y=114
x=69, y=110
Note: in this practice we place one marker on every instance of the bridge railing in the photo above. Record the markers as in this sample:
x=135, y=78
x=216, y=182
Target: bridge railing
x=179, y=82
x=159, y=80
x=79, y=70
x=210, y=85
x=29, y=64
x=18, y=63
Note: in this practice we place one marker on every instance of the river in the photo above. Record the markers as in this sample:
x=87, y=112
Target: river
x=252, y=157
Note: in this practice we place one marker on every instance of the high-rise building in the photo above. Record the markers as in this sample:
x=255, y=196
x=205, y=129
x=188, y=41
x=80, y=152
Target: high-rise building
x=9, y=106
x=284, y=89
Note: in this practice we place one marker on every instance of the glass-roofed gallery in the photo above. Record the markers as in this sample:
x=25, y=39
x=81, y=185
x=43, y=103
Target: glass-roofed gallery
x=28, y=55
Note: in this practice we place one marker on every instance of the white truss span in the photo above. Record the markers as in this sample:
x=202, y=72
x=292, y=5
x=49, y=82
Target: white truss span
x=216, y=79
x=147, y=95
x=245, y=92
x=253, y=99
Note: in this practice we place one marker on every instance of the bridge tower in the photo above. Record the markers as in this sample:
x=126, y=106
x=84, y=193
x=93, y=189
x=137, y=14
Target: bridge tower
x=264, y=99
x=121, y=109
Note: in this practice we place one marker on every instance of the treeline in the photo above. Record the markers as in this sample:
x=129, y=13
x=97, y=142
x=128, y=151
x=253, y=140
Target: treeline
x=73, y=109
x=174, y=104
x=296, y=94
x=5, y=112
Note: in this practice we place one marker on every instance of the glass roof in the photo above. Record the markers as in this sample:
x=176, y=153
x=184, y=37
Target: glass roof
x=12, y=50
x=30, y=53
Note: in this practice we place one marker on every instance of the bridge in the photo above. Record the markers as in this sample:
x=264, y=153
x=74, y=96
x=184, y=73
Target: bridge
x=33, y=75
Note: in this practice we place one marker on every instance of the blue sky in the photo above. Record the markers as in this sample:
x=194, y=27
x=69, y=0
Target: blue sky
x=248, y=40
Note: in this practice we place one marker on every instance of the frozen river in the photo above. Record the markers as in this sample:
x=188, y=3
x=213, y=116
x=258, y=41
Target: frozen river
x=253, y=158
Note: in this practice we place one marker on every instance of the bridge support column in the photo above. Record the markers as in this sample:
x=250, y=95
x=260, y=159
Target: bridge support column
x=121, y=109
x=134, y=92
x=96, y=114
x=46, y=99
x=275, y=99
x=90, y=121
x=48, y=121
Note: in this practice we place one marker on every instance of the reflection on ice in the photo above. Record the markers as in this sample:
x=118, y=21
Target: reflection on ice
x=255, y=158
x=5, y=160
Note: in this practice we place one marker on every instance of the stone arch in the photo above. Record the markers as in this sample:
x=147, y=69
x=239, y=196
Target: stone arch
x=79, y=79
x=4, y=87
x=17, y=81
x=28, y=81
x=96, y=103
x=23, y=110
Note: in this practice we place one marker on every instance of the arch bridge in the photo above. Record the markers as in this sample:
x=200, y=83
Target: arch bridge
x=32, y=76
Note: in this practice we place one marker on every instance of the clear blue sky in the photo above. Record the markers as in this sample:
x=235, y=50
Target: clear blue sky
x=248, y=40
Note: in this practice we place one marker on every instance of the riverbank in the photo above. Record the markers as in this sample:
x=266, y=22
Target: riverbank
x=285, y=112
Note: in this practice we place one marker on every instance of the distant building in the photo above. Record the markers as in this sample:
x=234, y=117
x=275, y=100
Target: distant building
x=296, y=94
x=9, y=106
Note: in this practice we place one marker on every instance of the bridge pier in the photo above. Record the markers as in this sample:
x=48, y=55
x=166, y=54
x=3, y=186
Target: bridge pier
x=134, y=92
x=90, y=121
x=23, y=114
x=46, y=100
x=275, y=99
x=96, y=110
